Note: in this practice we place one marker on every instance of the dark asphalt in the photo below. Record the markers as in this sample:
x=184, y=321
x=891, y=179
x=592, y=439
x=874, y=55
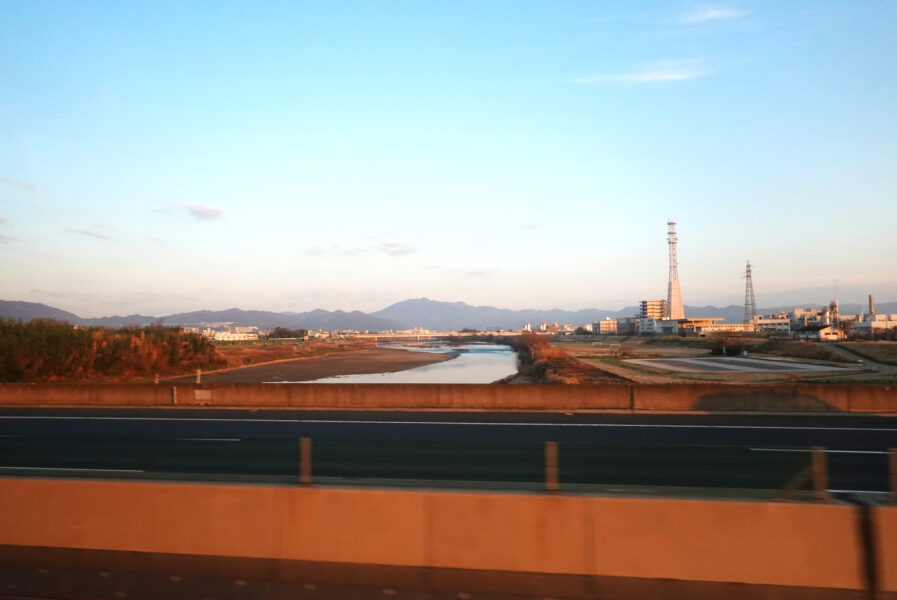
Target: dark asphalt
x=504, y=450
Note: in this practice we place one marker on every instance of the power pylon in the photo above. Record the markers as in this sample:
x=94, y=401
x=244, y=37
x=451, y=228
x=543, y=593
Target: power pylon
x=750, y=306
x=674, y=308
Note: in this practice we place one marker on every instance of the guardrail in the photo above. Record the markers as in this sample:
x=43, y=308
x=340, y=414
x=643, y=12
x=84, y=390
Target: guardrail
x=800, y=474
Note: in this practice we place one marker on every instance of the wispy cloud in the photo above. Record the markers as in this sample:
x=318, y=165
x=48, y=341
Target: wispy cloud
x=201, y=212
x=27, y=186
x=703, y=14
x=661, y=73
x=89, y=233
x=2, y=220
x=395, y=247
x=333, y=250
x=6, y=240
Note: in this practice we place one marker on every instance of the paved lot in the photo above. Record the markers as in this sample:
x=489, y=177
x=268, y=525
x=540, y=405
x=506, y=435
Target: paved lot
x=729, y=364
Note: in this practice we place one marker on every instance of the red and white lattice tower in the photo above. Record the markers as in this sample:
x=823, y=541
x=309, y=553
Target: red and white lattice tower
x=674, y=308
x=750, y=305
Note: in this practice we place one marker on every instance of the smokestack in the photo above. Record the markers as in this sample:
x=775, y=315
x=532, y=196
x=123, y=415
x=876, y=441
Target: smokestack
x=871, y=304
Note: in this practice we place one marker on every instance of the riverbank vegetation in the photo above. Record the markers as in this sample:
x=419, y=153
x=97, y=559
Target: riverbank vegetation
x=46, y=350
x=540, y=362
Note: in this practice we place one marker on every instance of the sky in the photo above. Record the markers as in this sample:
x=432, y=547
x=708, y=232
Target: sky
x=158, y=157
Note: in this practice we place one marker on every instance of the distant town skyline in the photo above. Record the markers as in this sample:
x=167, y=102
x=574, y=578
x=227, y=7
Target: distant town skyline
x=162, y=157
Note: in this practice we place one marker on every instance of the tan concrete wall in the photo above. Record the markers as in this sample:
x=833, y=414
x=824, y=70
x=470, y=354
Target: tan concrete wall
x=678, y=397
x=885, y=519
x=539, y=397
x=745, y=542
x=810, y=545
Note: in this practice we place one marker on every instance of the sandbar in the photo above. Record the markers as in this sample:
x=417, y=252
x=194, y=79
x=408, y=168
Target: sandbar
x=370, y=360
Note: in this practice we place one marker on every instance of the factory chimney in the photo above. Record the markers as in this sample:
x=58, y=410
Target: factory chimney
x=871, y=304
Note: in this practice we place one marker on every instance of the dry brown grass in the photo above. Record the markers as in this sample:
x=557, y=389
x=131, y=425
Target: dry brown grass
x=794, y=349
x=880, y=352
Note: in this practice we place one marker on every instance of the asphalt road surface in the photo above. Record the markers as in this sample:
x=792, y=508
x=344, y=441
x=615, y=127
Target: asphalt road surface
x=706, y=455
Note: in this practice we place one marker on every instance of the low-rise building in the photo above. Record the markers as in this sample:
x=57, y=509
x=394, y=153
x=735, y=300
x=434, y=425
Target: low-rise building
x=820, y=333
x=607, y=326
x=232, y=336
x=772, y=325
x=627, y=326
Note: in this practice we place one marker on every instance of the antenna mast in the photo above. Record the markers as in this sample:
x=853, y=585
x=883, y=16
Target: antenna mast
x=750, y=307
x=674, y=308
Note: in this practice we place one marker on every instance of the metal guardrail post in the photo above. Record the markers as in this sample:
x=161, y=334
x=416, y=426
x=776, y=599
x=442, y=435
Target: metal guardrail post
x=892, y=464
x=198, y=375
x=819, y=470
x=305, y=461
x=551, y=467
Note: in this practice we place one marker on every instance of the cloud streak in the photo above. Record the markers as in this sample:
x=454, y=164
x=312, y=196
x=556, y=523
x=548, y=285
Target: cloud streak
x=6, y=240
x=89, y=233
x=705, y=14
x=201, y=212
x=395, y=247
x=668, y=75
x=22, y=184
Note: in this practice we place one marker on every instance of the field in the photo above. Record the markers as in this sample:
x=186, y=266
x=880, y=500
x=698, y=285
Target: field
x=612, y=354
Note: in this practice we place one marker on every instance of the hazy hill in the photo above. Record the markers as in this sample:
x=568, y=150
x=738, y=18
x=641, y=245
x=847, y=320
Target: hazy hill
x=316, y=319
x=431, y=314
x=117, y=321
x=27, y=311
x=422, y=312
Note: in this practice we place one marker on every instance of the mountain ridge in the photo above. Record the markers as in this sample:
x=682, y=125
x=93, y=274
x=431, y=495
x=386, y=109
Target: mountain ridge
x=406, y=314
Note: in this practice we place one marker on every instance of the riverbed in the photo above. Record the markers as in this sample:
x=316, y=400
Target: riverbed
x=473, y=363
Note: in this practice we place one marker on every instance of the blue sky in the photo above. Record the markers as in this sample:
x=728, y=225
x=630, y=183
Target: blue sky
x=158, y=157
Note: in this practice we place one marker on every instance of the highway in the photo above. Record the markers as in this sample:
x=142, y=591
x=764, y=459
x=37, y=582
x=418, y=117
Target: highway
x=676, y=454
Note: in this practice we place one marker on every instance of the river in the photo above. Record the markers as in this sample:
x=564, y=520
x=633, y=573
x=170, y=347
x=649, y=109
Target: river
x=475, y=363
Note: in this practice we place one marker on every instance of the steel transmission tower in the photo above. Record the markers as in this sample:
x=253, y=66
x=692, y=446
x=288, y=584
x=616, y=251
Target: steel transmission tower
x=674, y=309
x=750, y=307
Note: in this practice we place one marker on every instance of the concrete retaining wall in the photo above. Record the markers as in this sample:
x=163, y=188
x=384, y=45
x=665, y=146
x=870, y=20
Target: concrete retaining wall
x=816, y=546
x=678, y=397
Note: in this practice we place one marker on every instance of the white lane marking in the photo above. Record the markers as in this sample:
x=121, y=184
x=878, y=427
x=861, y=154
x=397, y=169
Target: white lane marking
x=467, y=423
x=828, y=451
x=5, y=468
x=195, y=439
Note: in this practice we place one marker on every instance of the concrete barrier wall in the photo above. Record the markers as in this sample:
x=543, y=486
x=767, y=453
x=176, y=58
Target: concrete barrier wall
x=885, y=519
x=743, y=542
x=678, y=397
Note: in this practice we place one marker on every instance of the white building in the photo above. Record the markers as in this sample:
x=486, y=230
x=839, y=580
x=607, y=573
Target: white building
x=873, y=323
x=231, y=336
x=772, y=325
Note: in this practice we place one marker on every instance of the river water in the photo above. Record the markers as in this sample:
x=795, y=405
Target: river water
x=475, y=363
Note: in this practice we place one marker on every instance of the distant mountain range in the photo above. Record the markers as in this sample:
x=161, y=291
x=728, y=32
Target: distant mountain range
x=428, y=314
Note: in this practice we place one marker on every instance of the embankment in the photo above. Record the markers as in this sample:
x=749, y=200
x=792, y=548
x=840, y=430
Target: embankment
x=629, y=397
x=543, y=545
